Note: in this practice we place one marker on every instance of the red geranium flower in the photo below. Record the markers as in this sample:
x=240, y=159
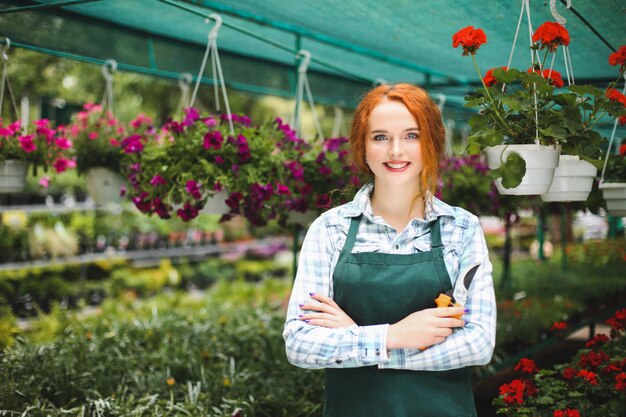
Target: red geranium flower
x=601, y=339
x=622, y=148
x=470, y=39
x=569, y=373
x=593, y=359
x=489, y=79
x=620, y=382
x=618, y=57
x=551, y=35
x=553, y=76
x=567, y=413
x=588, y=376
x=513, y=392
x=527, y=366
x=614, y=95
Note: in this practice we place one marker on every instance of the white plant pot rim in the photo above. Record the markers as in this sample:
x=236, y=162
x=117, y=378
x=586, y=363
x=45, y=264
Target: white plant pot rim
x=611, y=185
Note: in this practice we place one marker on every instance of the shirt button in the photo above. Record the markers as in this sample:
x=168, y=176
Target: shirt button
x=338, y=361
x=397, y=247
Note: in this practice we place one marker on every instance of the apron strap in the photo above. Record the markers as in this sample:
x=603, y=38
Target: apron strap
x=348, y=245
x=437, y=251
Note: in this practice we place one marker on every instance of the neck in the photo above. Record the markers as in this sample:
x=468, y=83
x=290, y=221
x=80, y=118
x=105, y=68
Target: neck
x=397, y=204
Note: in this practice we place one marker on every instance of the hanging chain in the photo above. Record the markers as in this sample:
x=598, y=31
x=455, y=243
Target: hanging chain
x=302, y=86
x=5, y=79
x=107, y=97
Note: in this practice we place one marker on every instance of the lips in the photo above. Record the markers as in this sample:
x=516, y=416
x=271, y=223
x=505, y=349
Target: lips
x=396, y=166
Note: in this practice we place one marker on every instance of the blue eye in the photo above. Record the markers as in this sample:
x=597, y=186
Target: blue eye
x=380, y=137
x=412, y=136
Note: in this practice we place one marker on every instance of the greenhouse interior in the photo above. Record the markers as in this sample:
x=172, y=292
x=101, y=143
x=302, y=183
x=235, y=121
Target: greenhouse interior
x=315, y=208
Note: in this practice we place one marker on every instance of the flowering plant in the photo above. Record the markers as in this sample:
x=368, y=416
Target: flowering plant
x=522, y=107
x=97, y=137
x=616, y=166
x=199, y=156
x=43, y=147
x=592, y=384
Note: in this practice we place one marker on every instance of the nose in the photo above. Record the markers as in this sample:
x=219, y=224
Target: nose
x=395, y=148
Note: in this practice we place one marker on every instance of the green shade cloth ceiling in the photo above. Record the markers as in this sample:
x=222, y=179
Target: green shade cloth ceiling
x=354, y=43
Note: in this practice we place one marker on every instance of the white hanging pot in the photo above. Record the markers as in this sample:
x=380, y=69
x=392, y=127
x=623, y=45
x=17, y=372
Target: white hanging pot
x=104, y=185
x=573, y=180
x=614, y=194
x=541, y=162
x=12, y=176
x=216, y=204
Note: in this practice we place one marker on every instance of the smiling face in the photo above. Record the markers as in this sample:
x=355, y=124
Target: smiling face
x=392, y=145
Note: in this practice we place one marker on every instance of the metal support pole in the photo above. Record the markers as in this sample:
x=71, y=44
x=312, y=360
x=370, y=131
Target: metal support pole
x=505, y=280
x=296, y=235
x=541, y=234
x=564, y=211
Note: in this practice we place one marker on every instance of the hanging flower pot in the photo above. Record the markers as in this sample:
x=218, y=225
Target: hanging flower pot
x=216, y=204
x=541, y=162
x=573, y=180
x=614, y=194
x=104, y=185
x=12, y=176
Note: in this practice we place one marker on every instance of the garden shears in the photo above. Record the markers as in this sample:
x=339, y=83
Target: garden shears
x=457, y=296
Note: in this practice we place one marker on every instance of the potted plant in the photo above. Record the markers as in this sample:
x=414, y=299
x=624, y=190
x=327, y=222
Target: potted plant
x=97, y=138
x=38, y=146
x=526, y=117
x=614, y=185
x=199, y=157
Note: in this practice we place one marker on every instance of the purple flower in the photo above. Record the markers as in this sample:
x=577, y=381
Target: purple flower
x=157, y=180
x=235, y=168
x=188, y=212
x=209, y=121
x=325, y=170
x=244, y=120
x=174, y=126
x=320, y=157
x=193, y=188
x=217, y=186
x=333, y=144
x=322, y=201
x=123, y=191
x=233, y=201
x=63, y=143
x=213, y=140
x=282, y=189
x=27, y=144
x=296, y=170
x=191, y=115
x=132, y=144
x=142, y=204
x=161, y=209
x=219, y=160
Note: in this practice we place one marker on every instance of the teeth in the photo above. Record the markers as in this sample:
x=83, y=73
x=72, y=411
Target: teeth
x=397, y=166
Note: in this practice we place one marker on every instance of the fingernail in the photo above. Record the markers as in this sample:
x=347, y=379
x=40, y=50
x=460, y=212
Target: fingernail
x=306, y=321
x=311, y=293
x=301, y=305
x=300, y=315
x=466, y=310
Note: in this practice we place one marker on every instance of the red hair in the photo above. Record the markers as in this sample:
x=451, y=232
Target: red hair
x=425, y=112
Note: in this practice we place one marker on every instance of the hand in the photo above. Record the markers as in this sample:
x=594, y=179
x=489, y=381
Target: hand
x=424, y=328
x=326, y=313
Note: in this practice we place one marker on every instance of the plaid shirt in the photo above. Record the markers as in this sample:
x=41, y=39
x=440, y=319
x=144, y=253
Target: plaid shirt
x=310, y=346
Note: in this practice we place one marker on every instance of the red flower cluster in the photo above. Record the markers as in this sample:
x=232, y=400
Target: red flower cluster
x=592, y=360
x=489, y=79
x=588, y=376
x=551, y=35
x=513, y=393
x=569, y=373
x=618, y=57
x=527, y=366
x=567, y=413
x=617, y=323
x=620, y=382
x=622, y=148
x=614, y=95
x=470, y=39
x=558, y=325
x=551, y=75
x=599, y=339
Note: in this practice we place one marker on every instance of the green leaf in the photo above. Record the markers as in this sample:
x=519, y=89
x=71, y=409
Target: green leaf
x=585, y=89
x=554, y=131
x=512, y=171
x=507, y=77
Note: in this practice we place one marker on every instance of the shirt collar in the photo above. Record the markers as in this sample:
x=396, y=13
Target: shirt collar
x=361, y=204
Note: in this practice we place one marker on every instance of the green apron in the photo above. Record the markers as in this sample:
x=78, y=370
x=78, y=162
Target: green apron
x=376, y=288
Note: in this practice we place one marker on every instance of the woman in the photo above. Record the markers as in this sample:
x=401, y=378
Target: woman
x=362, y=304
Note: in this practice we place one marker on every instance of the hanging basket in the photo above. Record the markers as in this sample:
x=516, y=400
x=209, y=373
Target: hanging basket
x=614, y=194
x=12, y=176
x=541, y=162
x=104, y=185
x=216, y=204
x=573, y=180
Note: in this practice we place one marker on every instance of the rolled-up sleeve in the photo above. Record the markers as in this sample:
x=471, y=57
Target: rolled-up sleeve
x=474, y=343
x=309, y=346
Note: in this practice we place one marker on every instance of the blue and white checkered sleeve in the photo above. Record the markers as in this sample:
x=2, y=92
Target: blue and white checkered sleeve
x=474, y=343
x=310, y=346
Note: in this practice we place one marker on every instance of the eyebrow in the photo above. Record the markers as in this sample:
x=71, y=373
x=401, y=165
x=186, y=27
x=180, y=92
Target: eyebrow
x=405, y=130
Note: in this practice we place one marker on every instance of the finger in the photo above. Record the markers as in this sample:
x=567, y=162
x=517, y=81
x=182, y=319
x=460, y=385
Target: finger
x=324, y=299
x=443, y=332
x=449, y=311
x=450, y=322
x=319, y=307
x=318, y=316
x=325, y=323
